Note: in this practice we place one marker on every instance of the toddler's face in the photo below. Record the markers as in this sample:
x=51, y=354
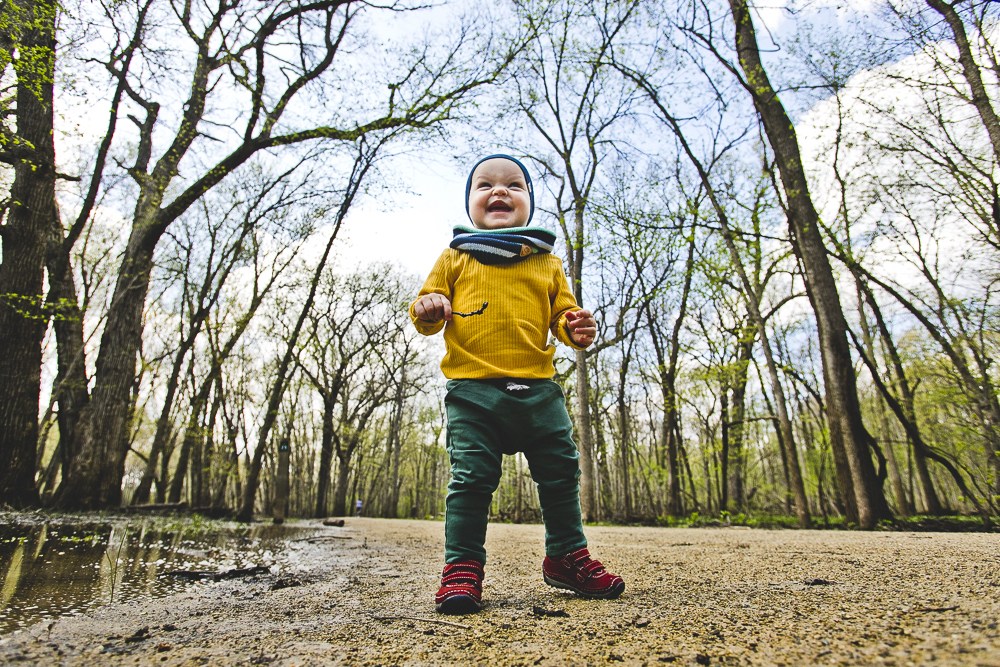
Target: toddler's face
x=499, y=197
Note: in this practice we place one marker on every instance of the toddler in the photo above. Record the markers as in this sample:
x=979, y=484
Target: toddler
x=498, y=291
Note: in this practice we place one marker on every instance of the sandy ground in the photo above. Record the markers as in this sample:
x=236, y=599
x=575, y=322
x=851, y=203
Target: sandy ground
x=694, y=597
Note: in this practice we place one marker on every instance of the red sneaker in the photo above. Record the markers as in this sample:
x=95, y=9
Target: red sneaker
x=461, y=589
x=583, y=575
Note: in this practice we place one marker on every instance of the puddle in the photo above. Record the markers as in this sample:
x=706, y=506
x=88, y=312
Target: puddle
x=54, y=570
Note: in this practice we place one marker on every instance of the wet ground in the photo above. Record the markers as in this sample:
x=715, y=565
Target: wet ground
x=62, y=568
x=363, y=595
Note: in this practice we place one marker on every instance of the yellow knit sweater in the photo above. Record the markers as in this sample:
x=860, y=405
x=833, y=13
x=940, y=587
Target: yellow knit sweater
x=511, y=338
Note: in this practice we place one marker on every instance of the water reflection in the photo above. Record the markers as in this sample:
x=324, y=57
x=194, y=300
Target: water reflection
x=53, y=570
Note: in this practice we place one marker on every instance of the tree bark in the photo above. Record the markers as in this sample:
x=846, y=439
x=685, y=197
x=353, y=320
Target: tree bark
x=723, y=464
x=70, y=388
x=624, y=443
x=847, y=430
x=736, y=493
x=31, y=215
x=585, y=440
x=325, y=459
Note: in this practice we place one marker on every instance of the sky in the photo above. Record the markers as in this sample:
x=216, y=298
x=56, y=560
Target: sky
x=413, y=228
x=410, y=225
x=408, y=228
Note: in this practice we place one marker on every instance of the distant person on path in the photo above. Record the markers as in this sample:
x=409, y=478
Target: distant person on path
x=357, y=508
x=498, y=291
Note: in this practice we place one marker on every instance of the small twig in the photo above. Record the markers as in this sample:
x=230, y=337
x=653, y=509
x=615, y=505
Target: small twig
x=474, y=312
x=317, y=538
x=422, y=620
x=931, y=609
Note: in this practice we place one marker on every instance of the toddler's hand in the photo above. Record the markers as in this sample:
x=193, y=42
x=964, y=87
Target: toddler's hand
x=582, y=327
x=433, y=307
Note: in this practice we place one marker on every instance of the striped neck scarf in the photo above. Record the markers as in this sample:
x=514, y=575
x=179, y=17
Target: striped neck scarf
x=502, y=246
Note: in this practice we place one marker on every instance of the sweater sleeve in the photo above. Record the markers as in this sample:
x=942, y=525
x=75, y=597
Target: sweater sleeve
x=438, y=282
x=562, y=302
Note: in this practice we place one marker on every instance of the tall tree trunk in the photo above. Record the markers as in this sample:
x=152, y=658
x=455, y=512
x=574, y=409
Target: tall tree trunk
x=666, y=361
x=737, y=493
x=708, y=475
x=723, y=465
x=202, y=492
x=197, y=461
x=163, y=426
x=980, y=96
x=687, y=466
x=585, y=440
x=192, y=433
x=340, y=487
x=325, y=459
x=162, y=482
x=396, y=440
x=70, y=386
x=904, y=506
x=584, y=424
x=30, y=218
x=847, y=431
x=788, y=494
x=97, y=471
x=931, y=500
x=623, y=428
x=363, y=162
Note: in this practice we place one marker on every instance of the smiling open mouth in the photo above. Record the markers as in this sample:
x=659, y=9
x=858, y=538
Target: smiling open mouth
x=498, y=206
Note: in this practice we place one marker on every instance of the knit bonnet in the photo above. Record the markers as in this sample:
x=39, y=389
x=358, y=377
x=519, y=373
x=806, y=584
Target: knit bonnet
x=527, y=178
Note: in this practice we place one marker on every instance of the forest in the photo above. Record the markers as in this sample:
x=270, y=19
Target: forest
x=786, y=220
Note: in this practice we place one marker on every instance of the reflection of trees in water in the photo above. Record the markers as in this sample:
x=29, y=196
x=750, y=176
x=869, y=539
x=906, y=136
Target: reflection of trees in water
x=51, y=571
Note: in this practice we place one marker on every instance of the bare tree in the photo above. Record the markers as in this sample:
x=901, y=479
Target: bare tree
x=860, y=485
x=355, y=325
x=563, y=90
x=233, y=227
x=27, y=46
x=236, y=51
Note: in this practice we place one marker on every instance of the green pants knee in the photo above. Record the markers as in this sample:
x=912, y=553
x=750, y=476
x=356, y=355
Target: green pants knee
x=490, y=418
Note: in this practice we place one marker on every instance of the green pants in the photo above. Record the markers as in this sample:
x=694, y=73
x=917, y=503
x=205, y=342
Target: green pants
x=490, y=418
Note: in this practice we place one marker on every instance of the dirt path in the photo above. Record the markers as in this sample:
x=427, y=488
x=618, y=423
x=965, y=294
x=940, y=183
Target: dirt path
x=694, y=596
